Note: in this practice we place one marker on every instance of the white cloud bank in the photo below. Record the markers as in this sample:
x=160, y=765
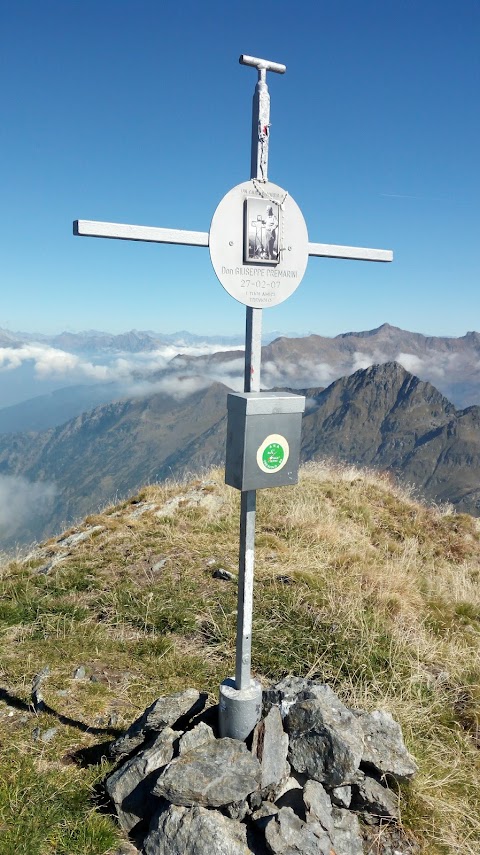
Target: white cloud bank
x=49, y=361
x=21, y=502
x=184, y=376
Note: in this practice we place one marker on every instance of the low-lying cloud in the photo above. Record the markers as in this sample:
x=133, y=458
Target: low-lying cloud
x=179, y=369
x=50, y=361
x=21, y=503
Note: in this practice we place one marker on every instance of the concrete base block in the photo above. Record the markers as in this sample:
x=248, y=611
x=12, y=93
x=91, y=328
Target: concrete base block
x=239, y=709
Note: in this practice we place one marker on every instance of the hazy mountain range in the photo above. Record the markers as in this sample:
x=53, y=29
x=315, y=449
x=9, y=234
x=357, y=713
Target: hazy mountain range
x=382, y=416
x=96, y=368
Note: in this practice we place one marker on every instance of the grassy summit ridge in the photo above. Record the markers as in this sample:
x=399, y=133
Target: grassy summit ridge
x=356, y=584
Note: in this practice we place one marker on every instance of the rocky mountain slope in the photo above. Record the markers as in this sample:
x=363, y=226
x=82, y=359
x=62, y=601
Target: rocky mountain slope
x=386, y=418
x=382, y=417
x=451, y=364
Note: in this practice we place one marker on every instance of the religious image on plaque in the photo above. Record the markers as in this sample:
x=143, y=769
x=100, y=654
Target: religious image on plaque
x=262, y=226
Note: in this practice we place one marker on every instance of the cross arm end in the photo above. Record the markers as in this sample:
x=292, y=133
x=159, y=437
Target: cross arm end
x=358, y=253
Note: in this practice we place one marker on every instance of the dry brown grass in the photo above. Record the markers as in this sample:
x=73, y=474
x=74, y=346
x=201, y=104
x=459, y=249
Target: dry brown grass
x=356, y=583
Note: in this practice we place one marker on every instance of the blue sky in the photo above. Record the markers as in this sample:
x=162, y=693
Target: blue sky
x=139, y=112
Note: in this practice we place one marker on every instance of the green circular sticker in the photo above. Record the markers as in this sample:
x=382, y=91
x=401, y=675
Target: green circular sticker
x=273, y=453
x=273, y=456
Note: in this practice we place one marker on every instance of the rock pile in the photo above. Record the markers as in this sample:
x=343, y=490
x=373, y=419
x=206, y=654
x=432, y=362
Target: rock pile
x=313, y=778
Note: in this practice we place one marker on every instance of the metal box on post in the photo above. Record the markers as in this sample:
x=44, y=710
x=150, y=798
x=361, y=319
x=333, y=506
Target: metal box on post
x=263, y=439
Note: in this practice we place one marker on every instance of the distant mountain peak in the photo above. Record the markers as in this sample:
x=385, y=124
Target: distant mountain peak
x=383, y=328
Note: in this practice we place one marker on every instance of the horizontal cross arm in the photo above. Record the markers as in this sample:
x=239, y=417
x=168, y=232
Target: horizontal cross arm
x=360, y=253
x=122, y=231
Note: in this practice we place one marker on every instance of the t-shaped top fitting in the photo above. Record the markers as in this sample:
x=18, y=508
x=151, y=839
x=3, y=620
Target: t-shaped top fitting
x=262, y=64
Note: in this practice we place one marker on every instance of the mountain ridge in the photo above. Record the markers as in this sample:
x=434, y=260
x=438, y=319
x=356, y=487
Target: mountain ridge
x=381, y=417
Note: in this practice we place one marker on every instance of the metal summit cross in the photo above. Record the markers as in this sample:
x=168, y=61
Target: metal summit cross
x=259, y=250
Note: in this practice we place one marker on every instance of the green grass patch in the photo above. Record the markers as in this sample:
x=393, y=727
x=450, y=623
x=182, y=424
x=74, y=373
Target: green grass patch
x=355, y=584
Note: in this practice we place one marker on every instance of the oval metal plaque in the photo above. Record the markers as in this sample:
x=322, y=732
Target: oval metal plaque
x=259, y=244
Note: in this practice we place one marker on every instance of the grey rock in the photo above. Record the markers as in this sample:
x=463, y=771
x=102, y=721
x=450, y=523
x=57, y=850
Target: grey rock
x=127, y=849
x=222, y=574
x=142, y=508
x=384, y=748
x=341, y=796
x=238, y=810
x=347, y=837
x=164, y=712
x=159, y=565
x=44, y=570
x=264, y=813
x=78, y=537
x=378, y=800
x=129, y=786
x=293, y=799
x=79, y=673
x=318, y=806
x=287, y=834
x=214, y=774
x=255, y=800
x=49, y=734
x=37, y=695
x=270, y=746
x=197, y=736
x=285, y=693
x=326, y=740
x=195, y=831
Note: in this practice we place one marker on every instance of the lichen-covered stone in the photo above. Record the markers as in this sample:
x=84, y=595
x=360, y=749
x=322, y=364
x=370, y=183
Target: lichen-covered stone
x=164, y=712
x=318, y=806
x=195, y=831
x=285, y=693
x=287, y=834
x=347, y=837
x=384, y=748
x=264, y=813
x=325, y=740
x=129, y=786
x=270, y=746
x=378, y=800
x=213, y=775
x=237, y=810
x=197, y=736
x=341, y=796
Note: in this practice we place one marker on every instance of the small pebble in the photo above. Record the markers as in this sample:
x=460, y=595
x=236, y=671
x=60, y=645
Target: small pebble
x=48, y=735
x=79, y=673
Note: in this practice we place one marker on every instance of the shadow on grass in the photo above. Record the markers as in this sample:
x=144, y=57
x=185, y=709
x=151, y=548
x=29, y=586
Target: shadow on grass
x=20, y=704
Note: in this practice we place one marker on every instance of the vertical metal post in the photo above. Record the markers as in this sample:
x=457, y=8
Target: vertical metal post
x=241, y=699
x=248, y=504
x=253, y=356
